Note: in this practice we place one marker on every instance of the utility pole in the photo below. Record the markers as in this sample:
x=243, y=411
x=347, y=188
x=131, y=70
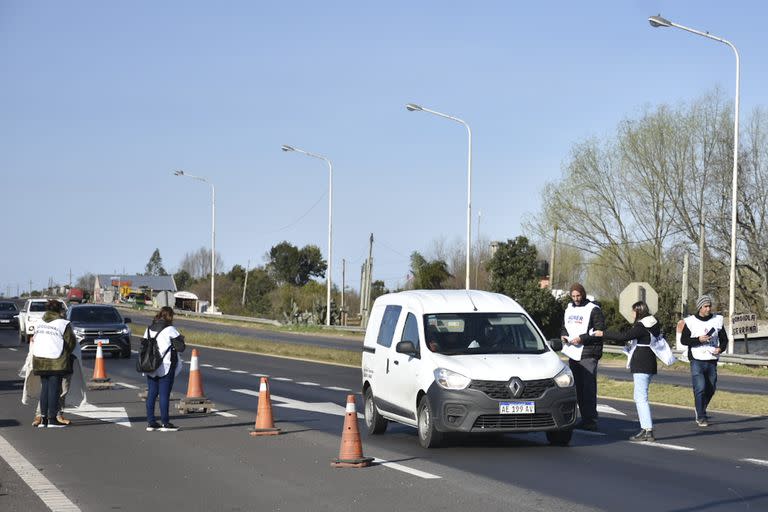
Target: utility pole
x=342, y=315
x=245, y=283
x=70, y=277
x=477, y=251
x=552, y=260
x=701, y=259
x=368, y=280
x=684, y=294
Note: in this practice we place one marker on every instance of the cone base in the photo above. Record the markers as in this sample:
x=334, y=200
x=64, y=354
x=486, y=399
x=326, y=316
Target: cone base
x=264, y=432
x=362, y=462
x=99, y=384
x=197, y=404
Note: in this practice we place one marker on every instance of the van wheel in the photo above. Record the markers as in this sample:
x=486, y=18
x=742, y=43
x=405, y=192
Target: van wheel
x=559, y=437
x=429, y=436
x=374, y=422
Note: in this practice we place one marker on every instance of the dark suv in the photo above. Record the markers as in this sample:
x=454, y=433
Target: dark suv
x=94, y=323
x=9, y=315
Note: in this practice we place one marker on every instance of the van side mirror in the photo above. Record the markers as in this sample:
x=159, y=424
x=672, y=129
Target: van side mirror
x=556, y=344
x=406, y=347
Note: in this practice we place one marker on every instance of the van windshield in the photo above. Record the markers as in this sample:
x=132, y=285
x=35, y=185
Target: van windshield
x=482, y=333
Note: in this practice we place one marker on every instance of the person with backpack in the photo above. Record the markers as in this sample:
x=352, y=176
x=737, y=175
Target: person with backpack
x=160, y=381
x=642, y=362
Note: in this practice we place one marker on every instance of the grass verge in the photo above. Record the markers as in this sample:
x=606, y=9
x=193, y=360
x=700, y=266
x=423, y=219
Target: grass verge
x=659, y=393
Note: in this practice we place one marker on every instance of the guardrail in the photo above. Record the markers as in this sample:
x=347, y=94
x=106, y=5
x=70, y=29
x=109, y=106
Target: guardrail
x=745, y=359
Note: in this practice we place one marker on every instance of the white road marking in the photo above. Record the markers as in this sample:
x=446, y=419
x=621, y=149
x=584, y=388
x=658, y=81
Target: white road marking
x=14, y=349
x=290, y=403
x=126, y=385
x=221, y=368
x=259, y=375
x=285, y=379
x=589, y=432
x=45, y=490
x=223, y=413
x=607, y=409
x=406, y=469
x=759, y=462
x=112, y=414
x=239, y=371
x=334, y=388
x=308, y=383
x=673, y=447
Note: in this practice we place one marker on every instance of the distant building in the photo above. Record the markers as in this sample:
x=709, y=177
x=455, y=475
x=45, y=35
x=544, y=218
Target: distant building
x=109, y=288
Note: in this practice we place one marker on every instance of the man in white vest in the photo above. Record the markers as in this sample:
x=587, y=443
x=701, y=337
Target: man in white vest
x=581, y=319
x=705, y=338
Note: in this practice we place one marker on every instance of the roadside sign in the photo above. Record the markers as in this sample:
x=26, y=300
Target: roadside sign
x=634, y=292
x=744, y=324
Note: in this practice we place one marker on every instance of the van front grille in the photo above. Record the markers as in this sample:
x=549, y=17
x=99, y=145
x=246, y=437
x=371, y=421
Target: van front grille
x=514, y=421
x=499, y=390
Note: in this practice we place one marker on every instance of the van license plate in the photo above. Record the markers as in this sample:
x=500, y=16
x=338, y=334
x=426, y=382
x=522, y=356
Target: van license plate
x=103, y=342
x=517, y=407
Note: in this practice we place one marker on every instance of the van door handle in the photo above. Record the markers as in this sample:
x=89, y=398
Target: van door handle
x=397, y=362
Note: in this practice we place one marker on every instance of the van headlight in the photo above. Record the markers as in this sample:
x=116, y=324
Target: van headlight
x=564, y=379
x=125, y=330
x=79, y=333
x=448, y=379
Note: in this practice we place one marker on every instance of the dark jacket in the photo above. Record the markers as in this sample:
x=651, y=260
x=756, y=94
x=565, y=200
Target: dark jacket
x=62, y=365
x=643, y=359
x=686, y=339
x=593, y=345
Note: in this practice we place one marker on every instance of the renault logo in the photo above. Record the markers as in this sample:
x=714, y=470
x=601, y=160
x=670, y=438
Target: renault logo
x=516, y=387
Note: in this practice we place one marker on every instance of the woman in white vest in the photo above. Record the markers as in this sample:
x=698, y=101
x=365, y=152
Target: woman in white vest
x=705, y=338
x=54, y=343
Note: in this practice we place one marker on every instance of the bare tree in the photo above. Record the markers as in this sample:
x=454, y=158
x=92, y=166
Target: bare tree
x=198, y=263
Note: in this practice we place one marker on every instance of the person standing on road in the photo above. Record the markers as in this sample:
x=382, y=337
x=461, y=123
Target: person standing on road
x=705, y=338
x=160, y=381
x=642, y=363
x=582, y=317
x=51, y=351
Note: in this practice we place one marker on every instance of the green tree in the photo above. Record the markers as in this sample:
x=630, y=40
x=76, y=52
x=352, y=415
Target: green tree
x=290, y=265
x=183, y=279
x=154, y=266
x=428, y=275
x=513, y=271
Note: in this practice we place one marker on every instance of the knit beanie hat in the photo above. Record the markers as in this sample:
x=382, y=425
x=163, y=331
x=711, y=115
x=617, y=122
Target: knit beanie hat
x=704, y=299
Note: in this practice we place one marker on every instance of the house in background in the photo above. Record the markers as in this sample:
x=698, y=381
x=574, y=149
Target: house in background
x=109, y=288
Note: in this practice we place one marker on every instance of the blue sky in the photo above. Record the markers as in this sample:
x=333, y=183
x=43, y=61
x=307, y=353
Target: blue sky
x=101, y=101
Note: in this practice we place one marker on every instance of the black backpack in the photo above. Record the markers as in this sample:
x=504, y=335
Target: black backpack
x=150, y=358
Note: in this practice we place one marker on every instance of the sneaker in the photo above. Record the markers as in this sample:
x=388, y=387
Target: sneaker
x=152, y=426
x=55, y=423
x=37, y=421
x=169, y=427
x=63, y=420
x=43, y=422
x=702, y=422
x=645, y=435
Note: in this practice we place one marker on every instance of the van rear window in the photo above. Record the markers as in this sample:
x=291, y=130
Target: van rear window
x=387, y=327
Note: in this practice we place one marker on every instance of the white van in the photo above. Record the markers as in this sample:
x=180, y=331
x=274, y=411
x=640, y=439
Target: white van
x=463, y=361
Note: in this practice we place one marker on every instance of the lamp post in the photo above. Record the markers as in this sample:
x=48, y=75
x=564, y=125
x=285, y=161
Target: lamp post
x=658, y=21
x=287, y=148
x=211, y=309
x=418, y=108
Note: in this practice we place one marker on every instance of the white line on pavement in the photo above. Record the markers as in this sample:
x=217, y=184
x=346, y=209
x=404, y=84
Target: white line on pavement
x=334, y=388
x=673, y=447
x=126, y=385
x=607, y=409
x=223, y=413
x=759, y=462
x=14, y=349
x=405, y=469
x=48, y=493
x=308, y=383
x=285, y=379
x=206, y=365
x=259, y=375
x=221, y=368
x=239, y=371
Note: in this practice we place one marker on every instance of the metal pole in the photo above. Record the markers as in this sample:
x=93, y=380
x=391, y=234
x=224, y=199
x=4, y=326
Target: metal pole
x=552, y=260
x=701, y=259
x=213, y=247
x=684, y=291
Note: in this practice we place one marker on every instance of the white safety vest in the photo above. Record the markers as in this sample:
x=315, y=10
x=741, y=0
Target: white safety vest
x=577, y=319
x=700, y=328
x=49, y=339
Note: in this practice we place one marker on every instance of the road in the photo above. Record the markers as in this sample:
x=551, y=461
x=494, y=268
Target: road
x=213, y=464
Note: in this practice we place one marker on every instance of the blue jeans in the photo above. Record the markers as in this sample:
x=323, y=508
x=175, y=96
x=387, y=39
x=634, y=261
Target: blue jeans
x=642, y=381
x=160, y=386
x=49, y=395
x=704, y=377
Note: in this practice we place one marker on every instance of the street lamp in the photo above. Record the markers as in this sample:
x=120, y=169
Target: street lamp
x=211, y=309
x=287, y=148
x=418, y=108
x=658, y=21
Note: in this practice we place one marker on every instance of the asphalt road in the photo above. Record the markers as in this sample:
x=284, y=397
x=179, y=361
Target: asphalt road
x=213, y=464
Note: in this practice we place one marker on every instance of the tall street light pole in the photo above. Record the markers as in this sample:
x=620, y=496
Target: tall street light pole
x=658, y=21
x=212, y=309
x=418, y=108
x=330, y=226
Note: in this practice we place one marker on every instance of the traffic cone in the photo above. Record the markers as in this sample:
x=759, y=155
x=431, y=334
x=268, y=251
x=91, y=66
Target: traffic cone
x=195, y=400
x=351, y=449
x=99, y=379
x=265, y=426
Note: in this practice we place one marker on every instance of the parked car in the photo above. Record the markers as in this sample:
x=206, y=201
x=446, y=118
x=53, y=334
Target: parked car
x=76, y=295
x=463, y=361
x=9, y=315
x=94, y=323
x=31, y=314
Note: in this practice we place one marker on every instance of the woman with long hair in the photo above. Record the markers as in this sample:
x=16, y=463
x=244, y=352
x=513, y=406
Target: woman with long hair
x=160, y=381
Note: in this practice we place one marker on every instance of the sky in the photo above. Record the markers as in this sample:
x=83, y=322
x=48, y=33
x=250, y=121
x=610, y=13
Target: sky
x=101, y=101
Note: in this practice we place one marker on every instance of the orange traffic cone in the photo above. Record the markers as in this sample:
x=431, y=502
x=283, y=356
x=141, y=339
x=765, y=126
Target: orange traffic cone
x=265, y=426
x=351, y=450
x=195, y=400
x=99, y=379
